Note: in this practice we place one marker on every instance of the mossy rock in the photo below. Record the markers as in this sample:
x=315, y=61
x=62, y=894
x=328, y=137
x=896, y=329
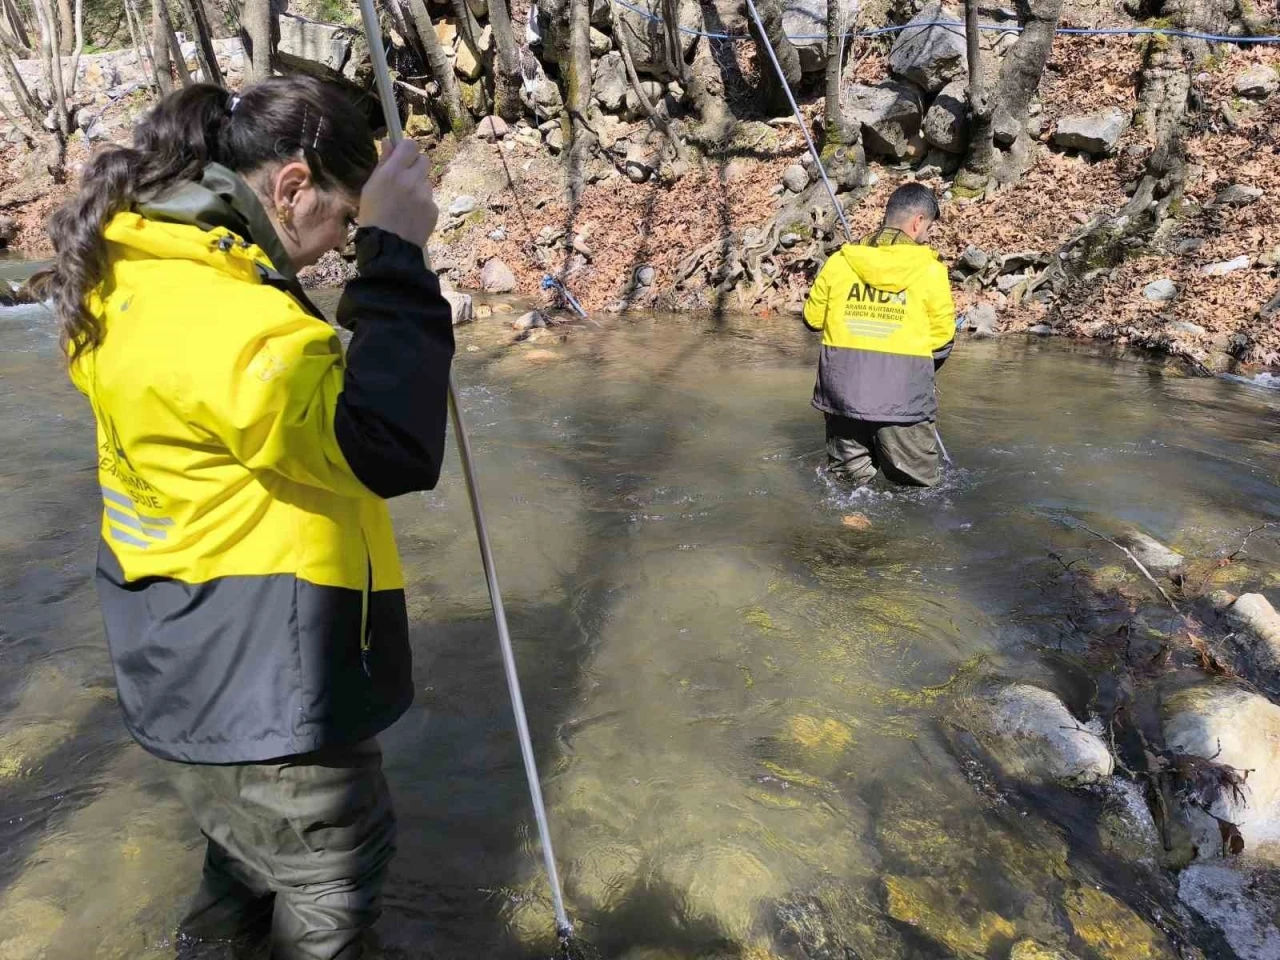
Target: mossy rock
x=1111, y=929
x=928, y=905
x=1033, y=950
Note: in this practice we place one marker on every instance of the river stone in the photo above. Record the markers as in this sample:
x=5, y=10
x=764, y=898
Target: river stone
x=805, y=22
x=1258, y=83
x=1033, y=736
x=1095, y=133
x=946, y=125
x=981, y=320
x=462, y=205
x=1226, y=267
x=601, y=43
x=1151, y=553
x=466, y=64
x=317, y=42
x=1242, y=900
x=492, y=128
x=890, y=116
x=795, y=178
x=1237, y=195
x=609, y=83
x=633, y=109
x=1186, y=328
x=639, y=163
x=1239, y=729
x=460, y=305
x=529, y=321
x=644, y=276
x=931, y=56
x=496, y=277
x=974, y=259
x=646, y=41
x=1159, y=291
x=1256, y=638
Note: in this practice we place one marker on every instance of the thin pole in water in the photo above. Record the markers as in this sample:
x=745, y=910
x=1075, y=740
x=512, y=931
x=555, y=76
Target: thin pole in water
x=813, y=151
x=565, y=930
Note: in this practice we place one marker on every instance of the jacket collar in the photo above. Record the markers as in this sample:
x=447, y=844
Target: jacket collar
x=221, y=198
x=887, y=237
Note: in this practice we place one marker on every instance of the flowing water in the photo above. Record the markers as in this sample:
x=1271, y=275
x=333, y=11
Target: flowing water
x=739, y=703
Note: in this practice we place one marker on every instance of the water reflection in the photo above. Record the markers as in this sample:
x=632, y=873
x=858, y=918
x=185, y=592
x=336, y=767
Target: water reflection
x=737, y=701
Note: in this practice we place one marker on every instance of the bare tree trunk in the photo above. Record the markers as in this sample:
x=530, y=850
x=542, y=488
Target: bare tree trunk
x=175, y=48
x=66, y=26
x=468, y=27
x=441, y=69
x=256, y=33
x=141, y=46
x=666, y=124
x=160, y=48
x=576, y=72
x=999, y=144
x=51, y=63
x=506, y=60
x=771, y=18
x=26, y=102
x=842, y=153
x=205, y=50
x=16, y=24
x=69, y=82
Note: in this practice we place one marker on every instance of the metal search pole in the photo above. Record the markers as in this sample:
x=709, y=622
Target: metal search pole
x=378, y=55
x=813, y=151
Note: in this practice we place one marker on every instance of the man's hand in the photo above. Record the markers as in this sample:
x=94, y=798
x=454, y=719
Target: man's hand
x=398, y=197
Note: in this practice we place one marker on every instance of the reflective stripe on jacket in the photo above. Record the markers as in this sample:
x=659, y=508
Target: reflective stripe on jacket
x=250, y=584
x=887, y=319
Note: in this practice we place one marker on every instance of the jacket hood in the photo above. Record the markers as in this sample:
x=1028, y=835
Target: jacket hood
x=890, y=267
x=221, y=200
x=217, y=220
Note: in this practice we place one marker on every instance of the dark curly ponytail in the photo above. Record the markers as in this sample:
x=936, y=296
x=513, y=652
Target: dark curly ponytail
x=280, y=119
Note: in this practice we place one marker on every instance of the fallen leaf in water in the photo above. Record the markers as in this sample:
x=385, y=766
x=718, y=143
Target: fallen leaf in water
x=856, y=521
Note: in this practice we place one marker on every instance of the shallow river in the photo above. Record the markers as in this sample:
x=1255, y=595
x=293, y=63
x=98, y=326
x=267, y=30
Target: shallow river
x=737, y=700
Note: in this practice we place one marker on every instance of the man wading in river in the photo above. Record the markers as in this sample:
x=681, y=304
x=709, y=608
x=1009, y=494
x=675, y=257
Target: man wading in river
x=250, y=585
x=888, y=322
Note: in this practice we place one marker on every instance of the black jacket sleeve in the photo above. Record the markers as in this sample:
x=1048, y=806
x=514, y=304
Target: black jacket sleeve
x=391, y=415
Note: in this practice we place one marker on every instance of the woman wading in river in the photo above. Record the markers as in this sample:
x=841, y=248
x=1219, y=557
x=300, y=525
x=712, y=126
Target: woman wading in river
x=249, y=580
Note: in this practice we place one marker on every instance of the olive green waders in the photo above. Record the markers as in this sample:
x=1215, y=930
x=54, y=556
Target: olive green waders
x=297, y=852
x=858, y=449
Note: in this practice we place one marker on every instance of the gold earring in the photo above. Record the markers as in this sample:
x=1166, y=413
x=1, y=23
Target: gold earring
x=284, y=215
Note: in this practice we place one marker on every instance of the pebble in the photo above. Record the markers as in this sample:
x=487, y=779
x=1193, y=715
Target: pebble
x=788, y=240
x=1041, y=330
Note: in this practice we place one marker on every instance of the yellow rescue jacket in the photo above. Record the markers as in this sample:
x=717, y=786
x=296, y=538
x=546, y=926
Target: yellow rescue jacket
x=250, y=582
x=888, y=321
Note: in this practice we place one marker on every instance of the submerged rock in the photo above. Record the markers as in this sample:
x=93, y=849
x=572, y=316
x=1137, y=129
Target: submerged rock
x=1033, y=736
x=1242, y=900
x=928, y=904
x=1111, y=929
x=1237, y=730
x=1151, y=553
x=1031, y=950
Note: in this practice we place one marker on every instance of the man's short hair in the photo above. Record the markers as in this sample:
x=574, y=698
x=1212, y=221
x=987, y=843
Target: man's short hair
x=910, y=200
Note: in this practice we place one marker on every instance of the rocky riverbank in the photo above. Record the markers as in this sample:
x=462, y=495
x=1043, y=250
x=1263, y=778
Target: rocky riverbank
x=673, y=217
x=1174, y=749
